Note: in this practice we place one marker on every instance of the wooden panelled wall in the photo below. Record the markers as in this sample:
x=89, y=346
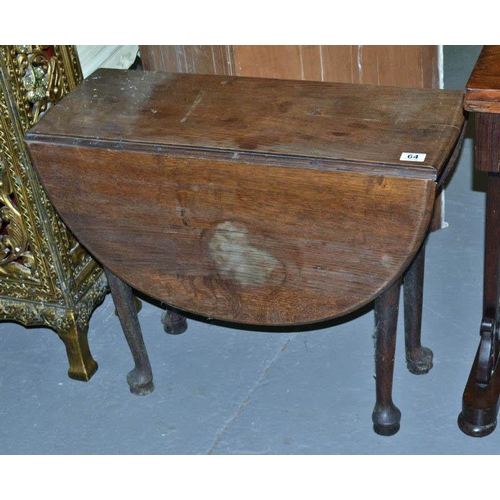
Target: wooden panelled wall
x=401, y=65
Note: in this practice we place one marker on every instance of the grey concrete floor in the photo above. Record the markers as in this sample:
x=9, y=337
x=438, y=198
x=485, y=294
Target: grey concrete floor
x=222, y=390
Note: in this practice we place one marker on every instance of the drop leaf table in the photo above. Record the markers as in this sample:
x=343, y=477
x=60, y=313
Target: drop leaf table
x=255, y=201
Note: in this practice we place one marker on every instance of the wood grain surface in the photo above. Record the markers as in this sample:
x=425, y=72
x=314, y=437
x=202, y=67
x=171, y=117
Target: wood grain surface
x=203, y=59
x=482, y=93
x=368, y=125
x=399, y=65
x=257, y=201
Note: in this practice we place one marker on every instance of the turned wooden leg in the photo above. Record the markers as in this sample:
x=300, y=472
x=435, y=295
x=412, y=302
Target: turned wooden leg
x=418, y=358
x=140, y=379
x=74, y=335
x=386, y=416
x=173, y=322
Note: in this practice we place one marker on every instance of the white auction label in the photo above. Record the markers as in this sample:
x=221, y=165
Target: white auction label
x=412, y=156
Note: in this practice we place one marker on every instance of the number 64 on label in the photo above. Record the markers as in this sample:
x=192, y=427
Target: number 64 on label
x=412, y=157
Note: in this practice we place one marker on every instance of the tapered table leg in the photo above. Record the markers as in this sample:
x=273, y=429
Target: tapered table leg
x=140, y=379
x=173, y=322
x=418, y=357
x=386, y=416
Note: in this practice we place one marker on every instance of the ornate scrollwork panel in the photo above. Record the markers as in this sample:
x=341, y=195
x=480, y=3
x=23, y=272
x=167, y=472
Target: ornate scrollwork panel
x=34, y=78
x=60, y=319
x=41, y=76
x=46, y=277
x=16, y=260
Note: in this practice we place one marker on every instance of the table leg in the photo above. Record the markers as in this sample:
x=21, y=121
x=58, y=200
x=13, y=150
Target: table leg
x=173, y=322
x=140, y=379
x=386, y=416
x=482, y=392
x=418, y=357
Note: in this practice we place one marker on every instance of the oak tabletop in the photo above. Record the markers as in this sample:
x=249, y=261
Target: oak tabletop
x=326, y=125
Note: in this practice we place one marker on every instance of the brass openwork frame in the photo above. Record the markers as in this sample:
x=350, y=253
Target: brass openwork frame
x=46, y=277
